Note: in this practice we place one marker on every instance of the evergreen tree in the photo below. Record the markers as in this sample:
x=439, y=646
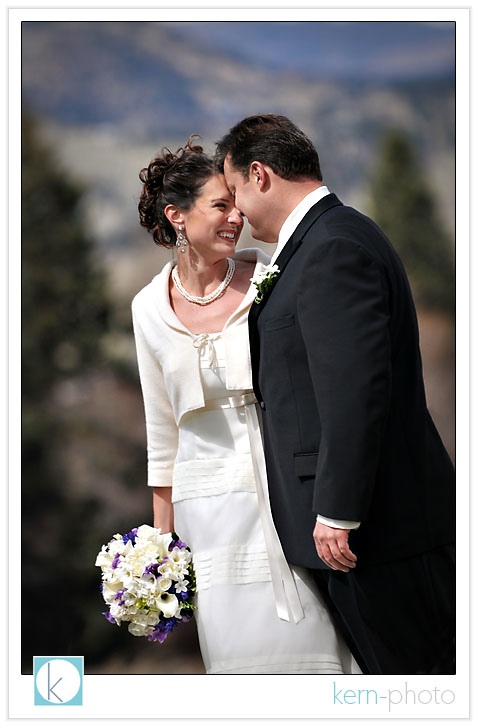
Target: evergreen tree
x=63, y=291
x=404, y=207
x=64, y=314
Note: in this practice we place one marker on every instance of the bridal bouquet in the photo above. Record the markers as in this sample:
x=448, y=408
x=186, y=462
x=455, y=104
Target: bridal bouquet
x=148, y=581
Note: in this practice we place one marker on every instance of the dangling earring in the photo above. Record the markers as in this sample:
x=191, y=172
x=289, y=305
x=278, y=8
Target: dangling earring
x=181, y=240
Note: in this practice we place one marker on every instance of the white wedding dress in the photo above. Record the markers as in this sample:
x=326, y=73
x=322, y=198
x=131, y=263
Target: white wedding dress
x=217, y=512
x=255, y=614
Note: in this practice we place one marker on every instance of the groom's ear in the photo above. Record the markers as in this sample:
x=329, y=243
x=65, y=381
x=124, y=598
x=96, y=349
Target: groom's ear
x=257, y=174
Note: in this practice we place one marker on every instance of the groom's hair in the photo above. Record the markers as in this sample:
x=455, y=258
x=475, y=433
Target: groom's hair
x=273, y=140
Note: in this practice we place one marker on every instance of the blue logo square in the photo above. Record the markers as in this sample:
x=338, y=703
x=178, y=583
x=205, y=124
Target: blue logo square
x=58, y=680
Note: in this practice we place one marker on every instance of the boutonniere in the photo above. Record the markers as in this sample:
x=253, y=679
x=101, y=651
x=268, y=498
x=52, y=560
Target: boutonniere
x=264, y=279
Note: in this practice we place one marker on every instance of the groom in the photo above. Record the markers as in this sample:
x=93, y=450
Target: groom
x=362, y=489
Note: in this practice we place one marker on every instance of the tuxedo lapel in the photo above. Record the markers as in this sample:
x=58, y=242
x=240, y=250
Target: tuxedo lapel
x=289, y=250
x=293, y=244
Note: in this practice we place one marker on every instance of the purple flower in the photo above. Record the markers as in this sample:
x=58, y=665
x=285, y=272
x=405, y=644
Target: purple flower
x=177, y=542
x=115, y=561
x=157, y=636
x=152, y=568
x=119, y=596
x=130, y=536
x=108, y=617
x=163, y=628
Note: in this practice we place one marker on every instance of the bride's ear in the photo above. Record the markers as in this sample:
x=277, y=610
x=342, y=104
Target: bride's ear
x=173, y=214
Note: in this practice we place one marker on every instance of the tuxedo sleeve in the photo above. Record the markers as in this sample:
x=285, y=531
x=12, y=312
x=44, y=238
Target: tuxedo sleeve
x=343, y=316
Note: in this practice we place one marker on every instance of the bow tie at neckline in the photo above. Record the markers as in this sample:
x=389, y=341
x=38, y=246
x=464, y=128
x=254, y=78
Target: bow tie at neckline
x=204, y=342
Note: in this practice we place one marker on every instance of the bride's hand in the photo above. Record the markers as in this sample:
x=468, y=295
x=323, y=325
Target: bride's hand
x=333, y=547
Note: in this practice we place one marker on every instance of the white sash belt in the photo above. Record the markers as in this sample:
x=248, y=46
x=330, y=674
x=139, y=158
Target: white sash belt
x=231, y=402
x=283, y=581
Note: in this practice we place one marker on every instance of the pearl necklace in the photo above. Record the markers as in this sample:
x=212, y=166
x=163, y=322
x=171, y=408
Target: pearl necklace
x=204, y=300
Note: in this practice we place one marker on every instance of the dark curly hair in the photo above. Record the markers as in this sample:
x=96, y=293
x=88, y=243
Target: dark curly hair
x=175, y=178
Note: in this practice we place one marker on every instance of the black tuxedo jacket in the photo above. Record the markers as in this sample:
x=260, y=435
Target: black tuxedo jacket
x=337, y=371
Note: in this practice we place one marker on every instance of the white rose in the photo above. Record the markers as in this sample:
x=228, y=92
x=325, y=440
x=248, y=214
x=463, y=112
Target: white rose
x=163, y=585
x=104, y=558
x=110, y=589
x=141, y=625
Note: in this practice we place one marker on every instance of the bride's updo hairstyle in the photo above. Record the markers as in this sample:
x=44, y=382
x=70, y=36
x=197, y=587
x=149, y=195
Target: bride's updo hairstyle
x=172, y=178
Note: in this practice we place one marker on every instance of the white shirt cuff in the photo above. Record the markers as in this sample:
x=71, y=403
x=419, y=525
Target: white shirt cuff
x=342, y=524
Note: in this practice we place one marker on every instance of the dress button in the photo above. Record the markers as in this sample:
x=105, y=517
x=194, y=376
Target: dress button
x=262, y=404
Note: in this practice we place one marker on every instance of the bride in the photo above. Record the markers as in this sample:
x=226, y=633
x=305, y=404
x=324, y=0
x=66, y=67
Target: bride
x=256, y=613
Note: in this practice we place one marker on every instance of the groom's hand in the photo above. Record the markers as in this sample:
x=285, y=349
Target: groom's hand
x=332, y=546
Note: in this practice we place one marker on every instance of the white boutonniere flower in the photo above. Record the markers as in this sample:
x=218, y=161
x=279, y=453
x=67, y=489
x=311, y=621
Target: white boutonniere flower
x=264, y=279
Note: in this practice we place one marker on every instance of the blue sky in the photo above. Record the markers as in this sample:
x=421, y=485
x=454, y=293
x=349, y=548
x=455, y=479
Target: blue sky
x=393, y=50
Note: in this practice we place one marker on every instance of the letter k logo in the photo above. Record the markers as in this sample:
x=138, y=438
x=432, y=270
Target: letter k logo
x=58, y=680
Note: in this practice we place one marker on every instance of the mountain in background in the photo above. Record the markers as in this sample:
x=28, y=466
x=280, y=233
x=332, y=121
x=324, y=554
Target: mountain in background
x=111, y=94
x=168, y=77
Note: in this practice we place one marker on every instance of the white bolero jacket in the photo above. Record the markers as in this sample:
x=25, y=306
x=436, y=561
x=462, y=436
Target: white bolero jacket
x=169, y=368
